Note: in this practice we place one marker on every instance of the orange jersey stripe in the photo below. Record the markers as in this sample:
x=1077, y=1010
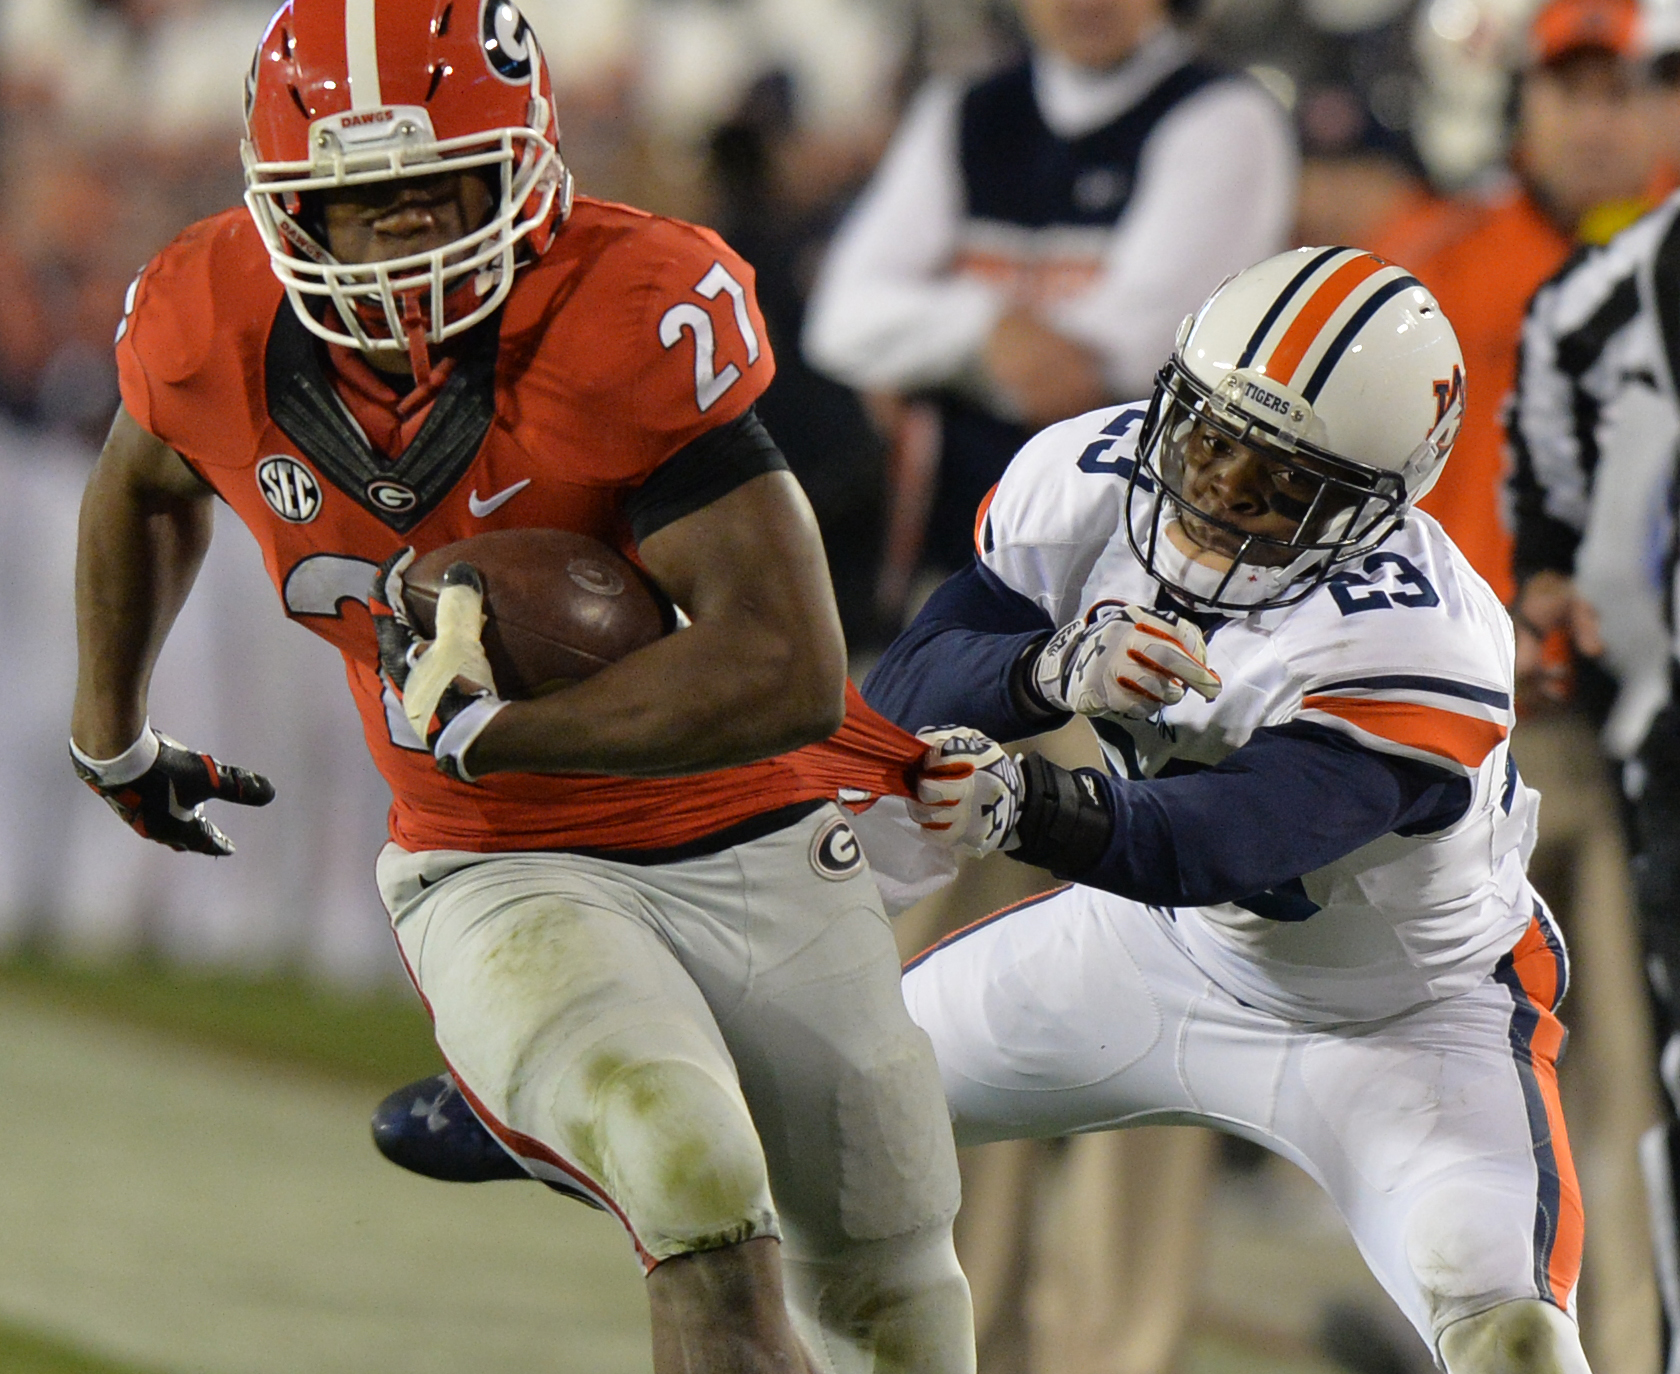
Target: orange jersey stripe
x=984, y=921
x=1536, y=969
x=980, y=517
x=1320, y=306
x=1463, y=739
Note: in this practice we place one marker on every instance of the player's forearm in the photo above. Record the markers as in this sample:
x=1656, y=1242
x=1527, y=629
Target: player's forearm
x=136, y=558
x=1293, y=800
x=712, y=696
x=958, y=661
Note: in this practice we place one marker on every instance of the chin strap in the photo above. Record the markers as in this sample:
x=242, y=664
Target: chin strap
x=414, y=328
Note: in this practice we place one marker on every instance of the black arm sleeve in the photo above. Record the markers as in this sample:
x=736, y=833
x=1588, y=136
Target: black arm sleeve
x=1293, y=799
x=701, y=471
x=955, y=662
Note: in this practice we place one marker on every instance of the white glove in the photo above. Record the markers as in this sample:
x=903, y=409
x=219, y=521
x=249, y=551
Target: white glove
x=968, y=791
x=445, y=684
x=1122, y=660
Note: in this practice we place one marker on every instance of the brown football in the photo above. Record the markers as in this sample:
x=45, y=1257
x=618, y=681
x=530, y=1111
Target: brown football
x=558, y=606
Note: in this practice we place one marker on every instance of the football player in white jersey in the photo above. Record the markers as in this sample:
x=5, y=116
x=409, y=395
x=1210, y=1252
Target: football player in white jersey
x=1298, y=908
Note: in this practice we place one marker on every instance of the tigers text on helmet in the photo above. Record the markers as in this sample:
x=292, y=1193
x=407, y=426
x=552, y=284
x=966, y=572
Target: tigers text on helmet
x=346, y=93
x=1336, y=377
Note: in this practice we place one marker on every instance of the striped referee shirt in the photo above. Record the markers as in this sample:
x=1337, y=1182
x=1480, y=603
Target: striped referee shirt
x=1594, y=427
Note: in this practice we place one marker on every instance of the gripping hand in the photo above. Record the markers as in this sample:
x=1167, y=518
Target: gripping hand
x=159, y=788
x=968, y=791
x=445, y=685
x=1122, y=660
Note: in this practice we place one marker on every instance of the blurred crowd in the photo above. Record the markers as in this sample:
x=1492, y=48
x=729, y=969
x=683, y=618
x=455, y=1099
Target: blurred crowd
x=762, y=118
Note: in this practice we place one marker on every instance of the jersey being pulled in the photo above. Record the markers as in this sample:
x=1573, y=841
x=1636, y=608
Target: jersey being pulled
x=632, y=336
x=1407, y=652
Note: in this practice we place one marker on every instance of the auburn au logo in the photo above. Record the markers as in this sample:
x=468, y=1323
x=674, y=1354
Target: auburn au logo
x=1449, y=392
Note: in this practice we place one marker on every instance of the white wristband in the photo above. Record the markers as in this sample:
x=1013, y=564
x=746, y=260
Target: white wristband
x=457, y=737
x=128, y=765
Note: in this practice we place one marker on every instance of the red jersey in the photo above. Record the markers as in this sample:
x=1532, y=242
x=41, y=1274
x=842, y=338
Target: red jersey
x=631, y=336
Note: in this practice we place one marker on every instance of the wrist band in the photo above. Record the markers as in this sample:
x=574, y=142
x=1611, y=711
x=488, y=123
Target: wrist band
x=458, y=736
x=126, y=766
x=1065, y=825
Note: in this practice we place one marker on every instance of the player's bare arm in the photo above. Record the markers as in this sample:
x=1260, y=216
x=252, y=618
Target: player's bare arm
x=759, y=671
x=144, y=527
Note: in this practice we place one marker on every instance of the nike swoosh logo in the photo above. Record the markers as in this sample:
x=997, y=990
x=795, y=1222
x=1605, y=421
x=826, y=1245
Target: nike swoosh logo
x=500, y=499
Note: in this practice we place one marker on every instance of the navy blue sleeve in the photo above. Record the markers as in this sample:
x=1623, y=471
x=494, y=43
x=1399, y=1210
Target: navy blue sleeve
x=1293, y=799
x=952, y=665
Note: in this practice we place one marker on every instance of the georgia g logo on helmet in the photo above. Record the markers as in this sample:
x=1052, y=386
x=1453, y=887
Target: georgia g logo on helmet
x=508, y=41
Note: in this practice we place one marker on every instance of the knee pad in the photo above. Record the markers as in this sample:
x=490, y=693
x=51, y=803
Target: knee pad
x=888, y=1306
x=1523, y=1337
x=679, y=1154
x=1466, y=1251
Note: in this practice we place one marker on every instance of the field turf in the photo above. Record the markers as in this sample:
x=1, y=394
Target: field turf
x=137, y=1097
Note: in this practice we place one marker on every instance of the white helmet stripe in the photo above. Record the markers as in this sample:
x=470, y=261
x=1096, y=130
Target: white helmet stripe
x=361, y=55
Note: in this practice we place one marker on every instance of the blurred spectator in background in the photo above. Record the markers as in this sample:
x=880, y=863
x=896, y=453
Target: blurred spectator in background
x=1031, y=241
x=1587, y=155
x=778, y=189
x=1586, y=159
x=121, y=121
x=1362, y=182
x=1595, y=428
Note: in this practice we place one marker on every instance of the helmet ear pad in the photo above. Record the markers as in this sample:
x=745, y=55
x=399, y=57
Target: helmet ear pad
x=308, y=210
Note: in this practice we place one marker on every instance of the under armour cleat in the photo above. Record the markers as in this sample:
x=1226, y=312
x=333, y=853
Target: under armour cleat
x=428, y=1128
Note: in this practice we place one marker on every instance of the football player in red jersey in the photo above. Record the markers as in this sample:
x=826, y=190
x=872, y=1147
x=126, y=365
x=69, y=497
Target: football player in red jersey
x=655, y=959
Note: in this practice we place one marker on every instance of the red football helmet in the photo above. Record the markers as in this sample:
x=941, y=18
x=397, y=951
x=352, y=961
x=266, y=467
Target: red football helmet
x=347, y=92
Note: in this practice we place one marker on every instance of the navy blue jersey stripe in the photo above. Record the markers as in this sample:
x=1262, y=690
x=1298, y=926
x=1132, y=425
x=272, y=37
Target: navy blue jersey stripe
x=1361, y=317
x=1279, y=305
x=1418, y=682
x=1525, y=1016
x=981, y=924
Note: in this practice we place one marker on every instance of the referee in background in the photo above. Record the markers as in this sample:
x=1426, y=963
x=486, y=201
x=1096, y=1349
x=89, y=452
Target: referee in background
x=1594, y=430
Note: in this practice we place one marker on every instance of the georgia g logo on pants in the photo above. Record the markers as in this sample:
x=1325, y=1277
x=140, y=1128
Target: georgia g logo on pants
x=835, y=852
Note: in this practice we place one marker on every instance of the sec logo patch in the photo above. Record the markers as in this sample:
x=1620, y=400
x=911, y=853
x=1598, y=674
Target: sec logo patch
x=290, y=489
x=835, y=852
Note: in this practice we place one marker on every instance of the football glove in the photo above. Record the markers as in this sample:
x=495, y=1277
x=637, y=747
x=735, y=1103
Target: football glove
x=445, y=684
x=968, y=791
x=1122, y=660
x=159, y=788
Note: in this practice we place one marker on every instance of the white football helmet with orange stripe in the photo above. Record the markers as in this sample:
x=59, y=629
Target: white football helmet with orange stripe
x=351, y=92
x=1342, y=372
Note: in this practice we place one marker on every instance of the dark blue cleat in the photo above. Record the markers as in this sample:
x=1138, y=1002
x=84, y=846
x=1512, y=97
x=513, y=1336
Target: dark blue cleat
x=428, y=1128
